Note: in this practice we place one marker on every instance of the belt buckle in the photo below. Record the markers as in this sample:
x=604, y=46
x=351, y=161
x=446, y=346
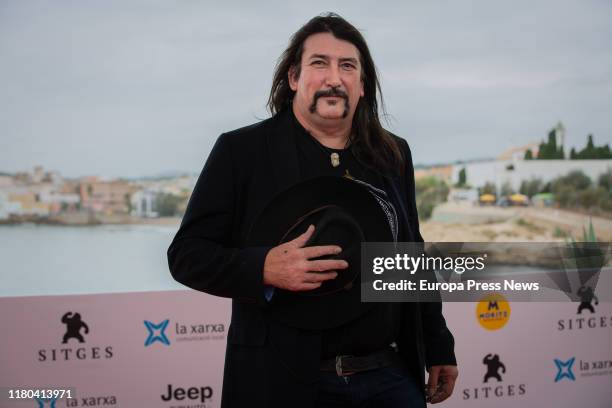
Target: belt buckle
x=339, y=364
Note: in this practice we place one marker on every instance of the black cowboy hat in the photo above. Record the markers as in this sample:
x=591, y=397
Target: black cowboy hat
x=345, y=213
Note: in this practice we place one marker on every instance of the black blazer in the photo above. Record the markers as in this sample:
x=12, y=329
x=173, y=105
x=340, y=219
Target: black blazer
x=267, y=364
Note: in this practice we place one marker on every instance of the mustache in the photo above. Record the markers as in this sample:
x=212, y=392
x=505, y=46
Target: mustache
x=330, y=92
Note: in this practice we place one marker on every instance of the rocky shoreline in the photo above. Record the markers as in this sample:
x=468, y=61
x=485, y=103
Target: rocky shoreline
x=453, y=222
x=86, y=220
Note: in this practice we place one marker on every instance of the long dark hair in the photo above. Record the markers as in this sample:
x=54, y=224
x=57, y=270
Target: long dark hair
x=371, y=144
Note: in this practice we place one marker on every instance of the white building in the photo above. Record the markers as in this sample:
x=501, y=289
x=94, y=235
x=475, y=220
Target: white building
x=143, y=203
x=463, y=195
x=516, y=171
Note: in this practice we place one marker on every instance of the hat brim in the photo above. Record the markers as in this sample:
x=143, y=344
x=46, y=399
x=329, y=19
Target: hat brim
x=337, y=308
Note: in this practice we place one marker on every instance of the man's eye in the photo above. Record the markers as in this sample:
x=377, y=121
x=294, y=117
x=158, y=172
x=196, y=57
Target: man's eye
x=348, y=66
x=319, y=62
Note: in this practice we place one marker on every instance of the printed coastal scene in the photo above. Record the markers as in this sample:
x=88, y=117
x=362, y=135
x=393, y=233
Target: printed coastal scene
x=544, y=191
x=107, y=116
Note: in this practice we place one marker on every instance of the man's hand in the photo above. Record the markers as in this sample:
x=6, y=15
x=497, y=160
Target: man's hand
x=288, y=265
x=441, y=382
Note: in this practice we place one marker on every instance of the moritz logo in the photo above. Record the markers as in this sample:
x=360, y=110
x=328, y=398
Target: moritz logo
x=493, y=311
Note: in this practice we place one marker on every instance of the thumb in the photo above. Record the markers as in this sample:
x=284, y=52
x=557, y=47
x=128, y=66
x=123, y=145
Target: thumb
x=303, y=239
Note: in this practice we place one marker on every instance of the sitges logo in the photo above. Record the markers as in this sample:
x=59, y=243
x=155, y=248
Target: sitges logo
x=72, y=345
x=586, y=316
x=192, y=394
x=493, y=367
x=580, y=323
x=494, y=374
x=587, y=296
x=74, y=324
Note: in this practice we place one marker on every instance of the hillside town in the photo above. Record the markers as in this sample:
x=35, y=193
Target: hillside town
x=535, y=178
x=44, y=196
x=528, y=193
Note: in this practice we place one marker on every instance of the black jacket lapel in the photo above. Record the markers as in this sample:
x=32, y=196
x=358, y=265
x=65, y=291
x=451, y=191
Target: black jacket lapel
x=283, y=152
x=399, y=198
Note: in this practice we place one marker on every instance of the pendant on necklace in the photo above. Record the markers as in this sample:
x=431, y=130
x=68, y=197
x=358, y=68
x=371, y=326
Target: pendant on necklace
x=335, y=159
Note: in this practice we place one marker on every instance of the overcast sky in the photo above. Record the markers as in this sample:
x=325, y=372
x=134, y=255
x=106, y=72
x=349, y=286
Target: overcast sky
x=130, y=88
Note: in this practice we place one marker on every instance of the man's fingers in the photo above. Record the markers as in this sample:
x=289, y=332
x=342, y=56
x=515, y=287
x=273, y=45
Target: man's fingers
x=323, y=265
x=319, y=277
x=317, y=251
x=432, y=381
x=301, y=240
x=449, y=385
x=441, y=382
x=444, y=391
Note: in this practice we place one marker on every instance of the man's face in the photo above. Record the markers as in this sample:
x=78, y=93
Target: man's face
x=329, y=84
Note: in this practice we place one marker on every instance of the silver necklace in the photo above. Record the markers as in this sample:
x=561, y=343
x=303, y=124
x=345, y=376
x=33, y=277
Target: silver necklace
x=334, y=157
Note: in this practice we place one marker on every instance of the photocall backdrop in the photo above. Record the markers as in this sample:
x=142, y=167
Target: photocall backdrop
x=166, y=349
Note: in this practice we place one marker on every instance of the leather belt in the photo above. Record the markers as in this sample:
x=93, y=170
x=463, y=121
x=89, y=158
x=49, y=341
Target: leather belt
x=348, y=364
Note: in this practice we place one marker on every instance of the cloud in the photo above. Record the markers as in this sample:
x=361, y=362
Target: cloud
x=461, y=74
x=128, y=88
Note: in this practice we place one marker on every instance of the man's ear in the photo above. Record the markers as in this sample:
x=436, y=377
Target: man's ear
x=293, y=78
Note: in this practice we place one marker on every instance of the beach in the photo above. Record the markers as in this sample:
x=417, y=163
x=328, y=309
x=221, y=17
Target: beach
x=461, y=222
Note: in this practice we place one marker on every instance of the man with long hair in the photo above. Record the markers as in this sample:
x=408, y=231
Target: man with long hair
x=325, y=122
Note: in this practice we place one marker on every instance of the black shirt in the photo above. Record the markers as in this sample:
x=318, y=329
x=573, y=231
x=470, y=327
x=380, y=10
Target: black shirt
x=379, y=326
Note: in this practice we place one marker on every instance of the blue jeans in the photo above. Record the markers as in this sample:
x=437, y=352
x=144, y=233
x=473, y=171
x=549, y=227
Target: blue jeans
x=388, y=387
